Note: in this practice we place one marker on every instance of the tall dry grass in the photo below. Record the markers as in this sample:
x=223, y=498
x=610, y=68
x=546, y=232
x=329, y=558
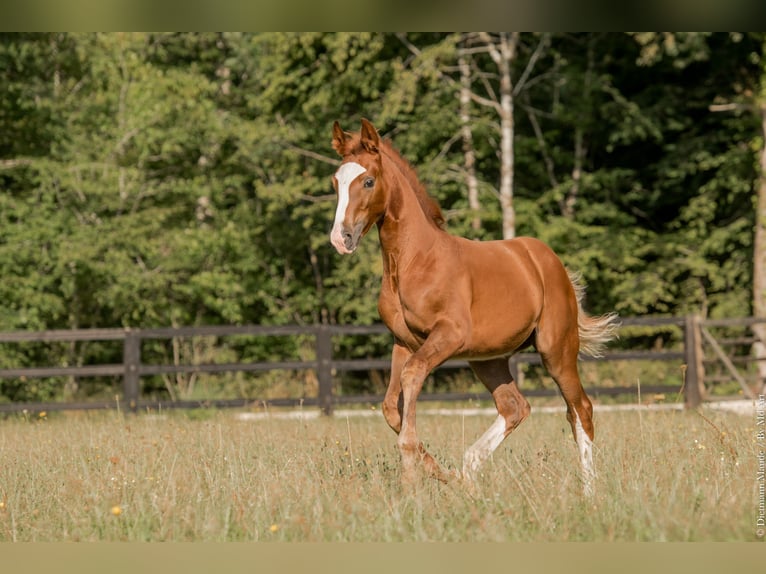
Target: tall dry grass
x=108, y=477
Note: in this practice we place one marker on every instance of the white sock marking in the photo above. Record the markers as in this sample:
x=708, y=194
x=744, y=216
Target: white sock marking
x=346, y=173
x=484, y=447
x=585, y=446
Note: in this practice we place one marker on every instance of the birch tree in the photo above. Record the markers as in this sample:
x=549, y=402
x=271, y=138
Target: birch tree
x=469, y=153
x=759, y=246
x=759, y=252
x=498, y=91
x=503, y=49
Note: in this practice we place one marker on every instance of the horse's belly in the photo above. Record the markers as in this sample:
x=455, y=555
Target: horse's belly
x=486, y=339
x=483, y=344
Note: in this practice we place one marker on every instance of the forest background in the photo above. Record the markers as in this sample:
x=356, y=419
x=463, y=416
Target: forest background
x=152, y=180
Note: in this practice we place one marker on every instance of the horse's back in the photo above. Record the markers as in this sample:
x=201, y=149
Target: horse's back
x=538, y=250
x=526, y=258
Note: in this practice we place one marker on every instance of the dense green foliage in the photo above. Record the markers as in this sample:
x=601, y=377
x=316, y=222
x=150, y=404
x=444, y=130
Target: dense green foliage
x=183, y=179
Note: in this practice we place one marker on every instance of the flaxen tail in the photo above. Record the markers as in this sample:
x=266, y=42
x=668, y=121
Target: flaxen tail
x=595, y=332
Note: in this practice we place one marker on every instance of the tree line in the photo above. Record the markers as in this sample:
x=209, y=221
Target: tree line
x=184, y=179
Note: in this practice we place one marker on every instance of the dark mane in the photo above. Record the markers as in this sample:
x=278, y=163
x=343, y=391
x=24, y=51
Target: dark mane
x=427, y=203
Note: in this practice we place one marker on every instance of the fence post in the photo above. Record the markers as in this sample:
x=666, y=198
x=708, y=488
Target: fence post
x=515, y=366
x=693, y=357
x=131, y=356
x=324, y=368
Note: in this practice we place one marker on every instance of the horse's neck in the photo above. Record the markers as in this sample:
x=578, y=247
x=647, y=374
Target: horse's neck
x=405, y=230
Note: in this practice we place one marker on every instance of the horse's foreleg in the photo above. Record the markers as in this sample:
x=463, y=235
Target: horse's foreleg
x=412, y=451
x=393, y=404
x=393, y=401
x=436, y=349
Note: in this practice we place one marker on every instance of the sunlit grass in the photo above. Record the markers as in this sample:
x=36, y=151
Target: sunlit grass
x=108, y=477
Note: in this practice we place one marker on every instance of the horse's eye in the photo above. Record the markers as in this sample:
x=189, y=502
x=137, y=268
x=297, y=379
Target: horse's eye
x=369, y=183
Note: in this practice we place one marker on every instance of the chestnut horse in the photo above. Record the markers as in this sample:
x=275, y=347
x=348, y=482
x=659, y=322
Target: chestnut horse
x=444, y=296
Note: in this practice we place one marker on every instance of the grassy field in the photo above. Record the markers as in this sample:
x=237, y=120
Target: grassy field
x=663, y=476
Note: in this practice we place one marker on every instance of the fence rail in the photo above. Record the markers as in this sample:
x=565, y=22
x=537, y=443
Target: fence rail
x=696, y=335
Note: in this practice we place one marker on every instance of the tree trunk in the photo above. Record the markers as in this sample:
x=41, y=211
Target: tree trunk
x=580, y=150
x=507, y=54
x=759, y=262
x=469, y=156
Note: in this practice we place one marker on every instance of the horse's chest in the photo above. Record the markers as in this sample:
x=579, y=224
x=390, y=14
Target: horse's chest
x=405, y=310
x=402, y=324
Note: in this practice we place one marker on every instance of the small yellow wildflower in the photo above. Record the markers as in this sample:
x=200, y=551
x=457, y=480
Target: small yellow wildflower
x=273, y=527
x=116, y=510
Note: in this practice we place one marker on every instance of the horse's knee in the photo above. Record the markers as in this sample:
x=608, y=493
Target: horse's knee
x=409, y=446
x=413, y=375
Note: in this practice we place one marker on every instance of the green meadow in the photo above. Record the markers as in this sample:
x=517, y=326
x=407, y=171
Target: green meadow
x=662, y=476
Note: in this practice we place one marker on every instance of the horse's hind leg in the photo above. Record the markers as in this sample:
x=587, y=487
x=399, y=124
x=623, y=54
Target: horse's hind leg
x=512, y=409
x=560, y=359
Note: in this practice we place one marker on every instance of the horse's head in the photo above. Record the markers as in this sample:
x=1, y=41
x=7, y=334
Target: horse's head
x=359, y=186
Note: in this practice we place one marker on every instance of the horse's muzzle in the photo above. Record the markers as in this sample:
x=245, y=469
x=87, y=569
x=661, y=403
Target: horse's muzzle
x=346, y=240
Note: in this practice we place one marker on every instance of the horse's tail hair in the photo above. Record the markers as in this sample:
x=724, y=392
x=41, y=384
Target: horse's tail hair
x=595, y=332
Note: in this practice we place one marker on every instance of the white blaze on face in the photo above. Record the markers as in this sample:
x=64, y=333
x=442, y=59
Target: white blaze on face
x=347, y=173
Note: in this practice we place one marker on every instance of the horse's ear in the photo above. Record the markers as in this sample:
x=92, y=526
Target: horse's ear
x=338, y=139
x=370, y=137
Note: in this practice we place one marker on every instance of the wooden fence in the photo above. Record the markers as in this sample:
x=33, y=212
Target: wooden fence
x=692, y=358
